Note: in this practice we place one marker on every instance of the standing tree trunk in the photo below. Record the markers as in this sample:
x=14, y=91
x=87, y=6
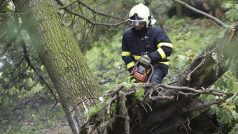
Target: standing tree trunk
x=61, y=56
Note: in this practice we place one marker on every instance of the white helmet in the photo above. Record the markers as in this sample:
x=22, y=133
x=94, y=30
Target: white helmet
x=139, y=13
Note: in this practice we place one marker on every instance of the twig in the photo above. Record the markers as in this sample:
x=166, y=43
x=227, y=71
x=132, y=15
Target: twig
x=110, y=103
x=88, y=20
x=81, y=103
x=144, y=108
x=188, y=77
x=234, y=96
x=26, y=55
x=148, y=106
x=99, y=13
x=219, y=22
x=186, y=94
x=114, y=95
x=162, y=98
x=65, y=6
x=201, y=91
x=116, y=90
x=184, y=126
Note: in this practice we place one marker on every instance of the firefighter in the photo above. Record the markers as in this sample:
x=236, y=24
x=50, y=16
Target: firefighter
x=145, y=38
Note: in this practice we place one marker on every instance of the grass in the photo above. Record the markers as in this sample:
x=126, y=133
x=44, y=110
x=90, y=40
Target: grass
x=36, y=117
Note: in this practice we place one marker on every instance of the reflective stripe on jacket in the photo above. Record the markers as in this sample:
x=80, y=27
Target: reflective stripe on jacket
x=153, y=40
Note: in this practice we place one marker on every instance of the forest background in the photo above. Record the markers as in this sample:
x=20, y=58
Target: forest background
x=26, y=102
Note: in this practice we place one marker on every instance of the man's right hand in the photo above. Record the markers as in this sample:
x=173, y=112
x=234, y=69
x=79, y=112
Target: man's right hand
x=145, y=60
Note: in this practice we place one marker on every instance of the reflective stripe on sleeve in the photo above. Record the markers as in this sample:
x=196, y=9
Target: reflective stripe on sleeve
x=131, y=64
x=126, y=53
x=161, y=52
x=165, y=44
x=166, y=63
x=136, y=57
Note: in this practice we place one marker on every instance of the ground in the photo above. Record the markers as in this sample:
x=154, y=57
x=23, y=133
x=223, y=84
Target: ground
x=34, y=117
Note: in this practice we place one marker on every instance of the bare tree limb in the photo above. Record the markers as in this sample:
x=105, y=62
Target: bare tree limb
x=201, y=91
x=219, y=22
x=99, y=13
x=91, y=9
x=65, y=6
x=87, y=19
x=26, y=56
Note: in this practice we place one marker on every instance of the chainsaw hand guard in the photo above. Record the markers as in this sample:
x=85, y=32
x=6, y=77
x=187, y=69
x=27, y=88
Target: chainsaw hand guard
x=145, y=60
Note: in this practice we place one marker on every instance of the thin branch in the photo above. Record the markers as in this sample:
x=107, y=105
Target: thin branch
x=7, y=46
x=219, y=22
x=99, y=13
x=89, y=8
x=95, y=23
x=201, y=91
x=65, y=6
x=81, y=103
x=88, y=20
x=26, y=55
x=188, y=77
x=110, y=103
x=153, y=98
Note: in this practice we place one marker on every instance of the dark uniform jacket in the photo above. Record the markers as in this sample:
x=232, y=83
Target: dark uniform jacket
x=152, y=39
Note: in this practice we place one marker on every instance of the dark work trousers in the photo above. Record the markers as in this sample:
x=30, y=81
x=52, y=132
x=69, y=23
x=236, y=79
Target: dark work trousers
x=160, y=71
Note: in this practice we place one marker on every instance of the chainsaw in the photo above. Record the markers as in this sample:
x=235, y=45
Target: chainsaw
x=143, y=69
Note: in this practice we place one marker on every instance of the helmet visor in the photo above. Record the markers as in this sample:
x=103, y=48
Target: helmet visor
x=137, y=22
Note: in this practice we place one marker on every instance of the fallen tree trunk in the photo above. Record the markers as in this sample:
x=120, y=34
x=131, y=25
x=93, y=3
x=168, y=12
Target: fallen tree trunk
x=173, y=108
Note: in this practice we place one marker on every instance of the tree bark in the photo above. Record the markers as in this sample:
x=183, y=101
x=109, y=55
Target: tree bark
x=62, y=58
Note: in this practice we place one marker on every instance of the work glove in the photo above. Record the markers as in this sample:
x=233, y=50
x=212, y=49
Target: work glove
x=145, y=59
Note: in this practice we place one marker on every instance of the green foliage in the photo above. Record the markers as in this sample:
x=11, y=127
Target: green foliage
x=139, y=94
x=104, y=59
x=232, y=8
x=94, y=109
x=7, y=6
x=227, y=112
x=227, y=83
x=189, y=38
x=234, y=130
x=33, y=118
